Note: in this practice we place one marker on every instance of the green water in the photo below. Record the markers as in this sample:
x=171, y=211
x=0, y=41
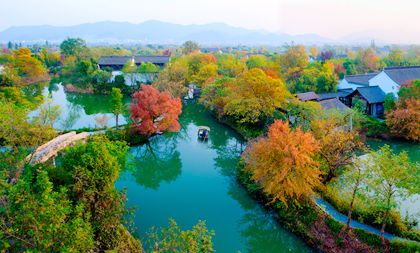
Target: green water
x=179, y=177
x=412, y=148
x=77, y=110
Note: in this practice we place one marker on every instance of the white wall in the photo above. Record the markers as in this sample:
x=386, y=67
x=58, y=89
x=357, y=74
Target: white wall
x=343, y=84
x=385, y=83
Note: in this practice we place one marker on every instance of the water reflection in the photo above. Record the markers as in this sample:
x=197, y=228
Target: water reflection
x=72, y=117
x=155, y=162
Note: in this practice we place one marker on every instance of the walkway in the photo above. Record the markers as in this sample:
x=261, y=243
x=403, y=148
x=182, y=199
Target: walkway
x=50, y=149
x=329, y=209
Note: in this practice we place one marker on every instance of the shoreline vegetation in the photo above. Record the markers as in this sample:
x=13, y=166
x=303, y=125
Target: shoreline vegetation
x=295, y=149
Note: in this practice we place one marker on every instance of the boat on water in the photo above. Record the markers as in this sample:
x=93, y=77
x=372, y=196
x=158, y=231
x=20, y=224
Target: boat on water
x=203, y=132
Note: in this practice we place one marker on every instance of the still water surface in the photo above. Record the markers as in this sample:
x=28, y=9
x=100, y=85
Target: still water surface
x=179, y=177
x=176, y=176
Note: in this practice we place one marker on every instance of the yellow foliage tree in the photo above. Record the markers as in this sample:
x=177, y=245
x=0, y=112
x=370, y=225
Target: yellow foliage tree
x=283, y=164
x=255, y=96
x=338, y=144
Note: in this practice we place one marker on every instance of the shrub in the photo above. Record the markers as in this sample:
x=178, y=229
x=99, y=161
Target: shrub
x=368, y=238
x=334, y=225
x=403, y=246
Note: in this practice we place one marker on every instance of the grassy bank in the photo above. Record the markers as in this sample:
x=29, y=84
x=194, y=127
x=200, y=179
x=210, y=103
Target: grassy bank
x=361, y=213
x=318, y=229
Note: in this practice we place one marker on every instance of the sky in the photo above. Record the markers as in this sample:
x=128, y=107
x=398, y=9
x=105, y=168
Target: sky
x=392, y=20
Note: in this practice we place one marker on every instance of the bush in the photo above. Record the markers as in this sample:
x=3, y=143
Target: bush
x=403, y=246
x=374, y=127
x=368, y=238
x=334, y=225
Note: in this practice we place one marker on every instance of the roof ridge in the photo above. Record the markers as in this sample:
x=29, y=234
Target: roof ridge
x=365, y=74
x=401, y=67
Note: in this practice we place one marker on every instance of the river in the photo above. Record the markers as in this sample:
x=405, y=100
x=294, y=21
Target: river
x=180, y=177
x=177, y=176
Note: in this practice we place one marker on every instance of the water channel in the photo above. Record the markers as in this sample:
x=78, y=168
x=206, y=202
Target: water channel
x=177, y=176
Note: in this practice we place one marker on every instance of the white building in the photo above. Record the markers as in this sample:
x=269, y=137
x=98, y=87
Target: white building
x=355, y=81
x=391, y=79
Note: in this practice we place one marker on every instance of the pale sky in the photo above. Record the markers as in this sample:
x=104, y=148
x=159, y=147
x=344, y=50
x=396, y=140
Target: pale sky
x=398, y=21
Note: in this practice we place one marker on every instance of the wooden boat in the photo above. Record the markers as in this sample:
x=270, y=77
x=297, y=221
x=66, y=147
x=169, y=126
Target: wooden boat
x=203, y=132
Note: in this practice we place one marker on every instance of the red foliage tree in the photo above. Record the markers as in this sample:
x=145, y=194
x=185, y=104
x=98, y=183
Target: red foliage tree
x=153, y=111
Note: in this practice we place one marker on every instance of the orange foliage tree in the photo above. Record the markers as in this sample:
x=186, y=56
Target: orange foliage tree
x=283, y=163
x=153, y=111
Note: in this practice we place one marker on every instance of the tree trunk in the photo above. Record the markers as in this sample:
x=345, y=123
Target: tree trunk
x=330, y=175
x=351, y=207
x=116, y=121
x=383, y=229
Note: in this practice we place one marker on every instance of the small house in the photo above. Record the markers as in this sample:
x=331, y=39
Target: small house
x=372, y=96
x=116, y=63
x=334, y=104
x=307, y=96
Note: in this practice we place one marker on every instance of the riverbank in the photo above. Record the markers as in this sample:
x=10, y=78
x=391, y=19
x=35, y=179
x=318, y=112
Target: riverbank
x=311, y=223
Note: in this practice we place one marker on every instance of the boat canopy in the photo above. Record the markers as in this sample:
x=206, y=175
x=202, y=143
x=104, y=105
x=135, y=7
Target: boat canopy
x=204, y=127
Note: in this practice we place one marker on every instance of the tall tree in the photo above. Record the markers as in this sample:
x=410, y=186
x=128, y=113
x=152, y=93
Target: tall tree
x=173, y=78
x=356, y=177
x=391, y=175
x=153, y=111
x=338, y=144
x=189, y=47
x=27, y=65
x=117, y=104
x=255, y=96
x=404, y=121
x=283, y=164
x=73, y=46
x=369, y=60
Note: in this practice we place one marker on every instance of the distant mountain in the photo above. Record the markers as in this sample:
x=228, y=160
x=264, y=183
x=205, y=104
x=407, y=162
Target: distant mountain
x=156, y=32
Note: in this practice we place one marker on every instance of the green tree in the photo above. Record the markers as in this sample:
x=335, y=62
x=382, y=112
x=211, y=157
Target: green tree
x=175, y=240
x=39, y=218
x=391, y=175
x=73, y=46
x=358, y=104
x=117, y=104
x=356, y=177
x=189, y=47
x=148, y=67
x=389, y=103
x=90, y=170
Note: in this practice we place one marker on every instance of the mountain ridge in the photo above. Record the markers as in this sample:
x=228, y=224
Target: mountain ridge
x=159, y=32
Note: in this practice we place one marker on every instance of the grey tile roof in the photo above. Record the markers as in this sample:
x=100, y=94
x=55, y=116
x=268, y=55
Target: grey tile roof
x=338, y=94
x=333, y=104
x=402, y=75
x=307, y=96
x=361, y=79
x=121, y=60
x=372, y=94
